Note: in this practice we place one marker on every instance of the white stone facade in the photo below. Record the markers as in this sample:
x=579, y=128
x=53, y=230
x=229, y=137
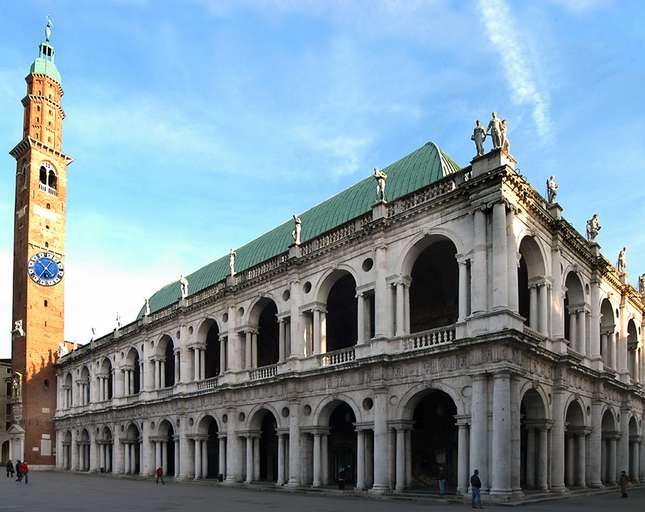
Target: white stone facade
x=530, y=370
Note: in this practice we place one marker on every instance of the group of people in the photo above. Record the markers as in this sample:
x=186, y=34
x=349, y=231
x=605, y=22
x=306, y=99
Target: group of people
x=21, y=470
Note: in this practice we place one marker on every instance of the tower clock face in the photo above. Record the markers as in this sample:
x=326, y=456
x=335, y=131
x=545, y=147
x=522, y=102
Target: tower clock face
x=45, y=269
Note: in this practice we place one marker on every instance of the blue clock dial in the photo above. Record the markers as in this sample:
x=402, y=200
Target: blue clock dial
x=45, y=269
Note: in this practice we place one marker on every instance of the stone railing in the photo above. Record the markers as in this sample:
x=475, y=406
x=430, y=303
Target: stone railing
x=427, y=339
x=335, y=235
x=344, y=355
x=263, y=268
x=206, y=294
x=165, y=392
x=205, y=384
x=265, y=372
x=422, y=196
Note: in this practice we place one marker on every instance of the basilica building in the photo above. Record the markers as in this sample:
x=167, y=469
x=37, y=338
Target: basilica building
x=428, y=321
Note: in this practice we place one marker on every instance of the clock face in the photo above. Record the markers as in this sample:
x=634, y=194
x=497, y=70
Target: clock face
x=45, y=269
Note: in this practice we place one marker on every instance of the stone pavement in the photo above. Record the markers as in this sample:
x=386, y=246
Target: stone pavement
x=53, y=492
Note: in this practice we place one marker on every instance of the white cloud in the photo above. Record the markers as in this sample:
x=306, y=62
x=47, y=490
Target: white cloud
x=580, y=7
x=504, y=36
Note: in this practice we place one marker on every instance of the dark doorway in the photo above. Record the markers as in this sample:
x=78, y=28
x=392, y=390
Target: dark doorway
x=342, y=314
x=342, y=445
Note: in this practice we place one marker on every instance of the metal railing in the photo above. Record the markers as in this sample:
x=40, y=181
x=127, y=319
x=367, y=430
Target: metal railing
x=430, y=338
x=265, y=372
x=344, y=355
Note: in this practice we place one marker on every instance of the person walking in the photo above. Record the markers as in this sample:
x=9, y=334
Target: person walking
x=24, y=470
x=9, y=469
x=18, y=474
x=159, y=475
x=442, y=481
x=475, y=487
x=623, y=483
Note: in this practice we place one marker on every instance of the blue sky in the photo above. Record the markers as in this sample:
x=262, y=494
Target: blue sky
x=198, y=125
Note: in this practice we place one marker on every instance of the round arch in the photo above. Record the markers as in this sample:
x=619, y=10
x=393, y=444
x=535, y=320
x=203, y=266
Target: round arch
x=416, y=245
x=534, y=446
x=413, y=396
x=166, y=432
x=263, y=316
x=324, y=409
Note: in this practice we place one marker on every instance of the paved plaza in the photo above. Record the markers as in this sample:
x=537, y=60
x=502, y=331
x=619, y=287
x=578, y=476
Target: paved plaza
x=68, y=492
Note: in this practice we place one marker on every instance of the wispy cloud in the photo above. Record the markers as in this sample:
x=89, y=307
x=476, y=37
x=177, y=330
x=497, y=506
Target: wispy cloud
x=504, y=36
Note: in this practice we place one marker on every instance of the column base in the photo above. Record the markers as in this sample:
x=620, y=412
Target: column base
x=292, y=484
x=230, y=481
x=379, y=489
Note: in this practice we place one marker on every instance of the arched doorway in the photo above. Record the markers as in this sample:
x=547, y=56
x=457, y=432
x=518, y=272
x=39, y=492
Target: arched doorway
x=132, y=450
x=132, y=374
x=67, y=451
x=342, y=444
x=4, y=457
x=269, y=449
x=268, y=351
x=532, y=290
x=69, y=391
x=434, y=441
x=208, y=445
x=434, y=289
x=169, y=360
x=84, y=451
x=212, y=364
x=85, y=386
x=106, y=384
x=634, y=451
x=632, y=349
x=167, y=435
x=607, y=334
x=534, y=442
x=106, y=451
x=610, y=437
x=574, y=314
x=575, y=447
x=342, y=314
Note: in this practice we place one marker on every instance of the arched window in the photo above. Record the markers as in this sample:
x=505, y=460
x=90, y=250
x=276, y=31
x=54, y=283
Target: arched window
x=48, y=178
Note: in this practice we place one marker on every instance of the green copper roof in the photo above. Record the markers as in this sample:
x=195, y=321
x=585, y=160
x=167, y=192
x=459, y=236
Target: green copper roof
x=412, y=172
x=44, y=63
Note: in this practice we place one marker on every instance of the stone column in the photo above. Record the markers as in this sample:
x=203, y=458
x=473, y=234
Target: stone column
x=221, y=463
x=641, y=446
x=281, y=340
x=316, y=461
x=543, y=310
x=294, y=445
x=198, y=459
x=530, y=458
x=281, y=459
x=479, y=282
x=126, y=451
x=594, y=325
x=234, y=452
x=223, y=359
x=164, y=457
x=463, y=289
x=500, y=257
x=542, y=465
x=635, y=470
x=611, y=460
x=595, y=444
x=408, y=458
x=513, y=263
x=178, y=464
x=581, y=463
x=162, y=374
x=248, y=350
x=400, y=459
x=612, y=348
x=501, y=447
x=249, y=459
x=195, y=364
x=380, y=441
x=204, y=458
x=360, y=316
x=582, y=331
x=533, y=307
x=400, y=307
x=316, y=330
x=479, y=428
x=573, y=337
x=382, y=299
x=462, y=454
x=606, y=351
x=202, y=363
x=184, y=452
x=157, y=374
x=360, y=460
x=623, y=448
x=177, y=366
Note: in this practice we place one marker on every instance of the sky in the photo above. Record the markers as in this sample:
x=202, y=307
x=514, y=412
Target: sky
x=198, y=125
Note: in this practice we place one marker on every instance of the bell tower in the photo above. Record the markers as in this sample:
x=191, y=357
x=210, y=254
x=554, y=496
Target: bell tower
x=39, y=253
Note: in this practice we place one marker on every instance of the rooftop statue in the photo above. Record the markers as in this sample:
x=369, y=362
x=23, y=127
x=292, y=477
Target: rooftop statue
x=48, y=29
x=593, y=228
x=297, y=229
x=381, y=178
x=479, y=136
x=231, y=261
x=551, y=189
x=147, y=306
x=641, y=284
x=621, y=266
x=506, y=145
x=62, y=349
x=183, y=286
x=495, y=130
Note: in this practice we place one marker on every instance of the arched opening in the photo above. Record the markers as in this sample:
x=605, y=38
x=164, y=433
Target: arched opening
x=133, y=372
x=269, y=449
x=575, y=447
x=434, y=441
x=208, y=431
x=43, y=175
x=4, y=454
x=167, y=350
x=532, y=290
x=632, y=348
x=268, y=351
x=106, y=451
x=167, y=435
x=607, y=334
x=609, y=441
x=52, y=180
x=212, y=365
x=574, y=314
x=634, y=451
x=341, y=444
x=67, y=451
x=342, y=314
x=132, y=450
x=434, y=290
x=533, y=442
x=69, y=391
x=106, y=380
x=84, y=451
x=85, y=386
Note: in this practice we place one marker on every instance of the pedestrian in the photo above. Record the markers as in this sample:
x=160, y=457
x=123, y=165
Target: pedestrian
x=24, y=470
x=159, y=475
x=9, y=469
x=623, y=483
x=18, y=473
x=475, y=487
x=442, y=481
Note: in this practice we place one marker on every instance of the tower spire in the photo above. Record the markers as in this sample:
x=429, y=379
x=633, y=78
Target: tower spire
x=44, y=63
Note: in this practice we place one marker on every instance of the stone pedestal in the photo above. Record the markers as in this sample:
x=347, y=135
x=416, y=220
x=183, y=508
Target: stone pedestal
x=494, y=159
x=379, y=210
x=294, y=251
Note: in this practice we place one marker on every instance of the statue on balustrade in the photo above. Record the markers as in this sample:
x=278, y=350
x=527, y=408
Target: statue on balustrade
x=231, y=262
x=183, y=286
x=593, y=228
x=621, y=266
x=297, y=230
x=380, y=178
x=551, y=189
x=479, y=136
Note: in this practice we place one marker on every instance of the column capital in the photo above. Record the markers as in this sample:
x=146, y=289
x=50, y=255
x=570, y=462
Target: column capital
x=462, y=420
x=401, y=424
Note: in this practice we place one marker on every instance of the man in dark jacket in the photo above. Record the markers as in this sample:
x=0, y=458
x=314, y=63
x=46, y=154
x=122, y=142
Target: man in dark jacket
x=9, y=469
x=475, y=487
x=18, y=474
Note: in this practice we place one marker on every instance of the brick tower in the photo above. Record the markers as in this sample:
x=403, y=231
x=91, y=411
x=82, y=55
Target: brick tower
x=39, y=248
